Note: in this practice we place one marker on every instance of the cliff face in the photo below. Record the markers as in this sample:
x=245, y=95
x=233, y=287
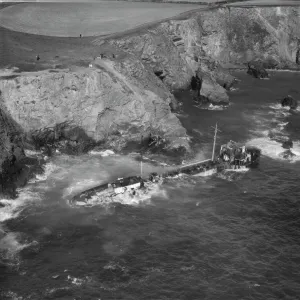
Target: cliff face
x=238, y=35
x=173, y=50
x=106, y=100
x=128, y=95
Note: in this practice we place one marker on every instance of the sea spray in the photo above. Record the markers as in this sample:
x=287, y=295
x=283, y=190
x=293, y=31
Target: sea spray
x=102, y=153
x=274, y=149
x=12, y=208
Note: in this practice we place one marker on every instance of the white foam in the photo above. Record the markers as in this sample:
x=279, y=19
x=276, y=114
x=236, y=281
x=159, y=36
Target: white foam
x=279, y=111
x=102, y=153
x=274, y=149
x=12, y=208
x=49, y=168
x=278, y=106
x=32, y=153
x=76, y=281
x=79, y=186
x=296, y=151
x=233, y=89
x=282, y=125
x=216, y=107
x=211, y=107
x=10, y=246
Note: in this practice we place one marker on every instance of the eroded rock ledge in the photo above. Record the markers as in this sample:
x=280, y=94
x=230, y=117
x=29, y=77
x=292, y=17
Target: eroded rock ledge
x=128, y=94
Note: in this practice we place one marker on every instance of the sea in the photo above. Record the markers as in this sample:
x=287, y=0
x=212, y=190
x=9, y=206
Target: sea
x=234, y=235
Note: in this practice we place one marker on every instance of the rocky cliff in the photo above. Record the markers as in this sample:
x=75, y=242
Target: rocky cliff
x=128, y=93
x=237, y=35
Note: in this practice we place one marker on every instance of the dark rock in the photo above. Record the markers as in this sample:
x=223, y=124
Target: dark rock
x=270, y=63
x=287, y=144
x=196, y=84
x=288, y=154
x=156, y=141
x=200, y=99
x=257, y=70
x=223, y=78
x=289, y=101
x=67, y=138
x=298, y=57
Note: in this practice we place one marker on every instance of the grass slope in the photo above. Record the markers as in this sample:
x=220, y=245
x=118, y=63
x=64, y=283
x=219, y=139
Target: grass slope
x=262, y=3
x=72, y=19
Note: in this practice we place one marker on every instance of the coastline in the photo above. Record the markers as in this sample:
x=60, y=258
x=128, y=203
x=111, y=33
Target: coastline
x=132, y=76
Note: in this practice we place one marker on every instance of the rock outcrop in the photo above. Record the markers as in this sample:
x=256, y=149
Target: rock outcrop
x=239, y=35
x=15, y=167
x=287, y=144
x=257, y=70
x=289, y=101
x=108, y=102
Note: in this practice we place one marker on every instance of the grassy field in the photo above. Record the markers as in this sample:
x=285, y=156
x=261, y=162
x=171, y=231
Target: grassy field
x=88, y=19
x=252, y=3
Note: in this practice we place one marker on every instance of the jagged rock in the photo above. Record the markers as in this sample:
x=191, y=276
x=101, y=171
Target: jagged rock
x=196, y=84
x=288, y=154
x=270, y=63
x=223, y=78
x=238, y=35
x=287, y=144
x=298, y=57
x=211, y=91
x=65, y=137
x=289, y=101
x=257, y=70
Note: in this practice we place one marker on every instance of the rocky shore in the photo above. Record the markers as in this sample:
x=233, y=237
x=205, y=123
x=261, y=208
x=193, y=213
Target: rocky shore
x=123, y=91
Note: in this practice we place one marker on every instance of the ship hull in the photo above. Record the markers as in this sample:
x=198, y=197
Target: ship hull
x=233, y=157
x=206, y=173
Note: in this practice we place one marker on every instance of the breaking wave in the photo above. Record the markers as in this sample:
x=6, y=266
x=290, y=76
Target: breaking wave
x=102, y=153
x=12, y=208
x=270, y=134
x=274, y=149
x=10, y=246
x=48, y=168
x=211, y=107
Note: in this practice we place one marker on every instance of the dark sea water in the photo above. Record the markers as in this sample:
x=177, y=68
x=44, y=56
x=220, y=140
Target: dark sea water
x=231, y=236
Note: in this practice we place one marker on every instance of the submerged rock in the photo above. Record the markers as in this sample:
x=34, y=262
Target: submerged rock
x=287, y=144
x=289, y=101
x=256, y=69
x=288, y=154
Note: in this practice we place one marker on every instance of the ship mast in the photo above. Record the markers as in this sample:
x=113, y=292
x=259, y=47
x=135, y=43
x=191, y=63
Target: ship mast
x=215, y=138
x=142, y=157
